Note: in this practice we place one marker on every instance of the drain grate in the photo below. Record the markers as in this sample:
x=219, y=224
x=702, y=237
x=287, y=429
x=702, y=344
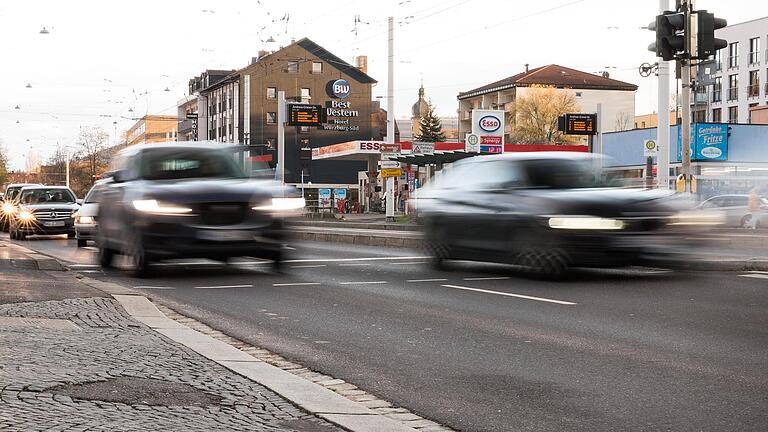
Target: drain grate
x=37, y=323
x=138, y=391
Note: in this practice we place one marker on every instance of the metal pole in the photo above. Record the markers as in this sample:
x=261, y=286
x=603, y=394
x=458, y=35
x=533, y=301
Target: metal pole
x=67, y=164
x=281, y=138
x=390, y=193
x=685, y=121
x=662, y=128
x=599, y=149
x=649, y=172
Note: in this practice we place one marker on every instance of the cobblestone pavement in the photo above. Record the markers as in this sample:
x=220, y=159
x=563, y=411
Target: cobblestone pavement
x=37, y=355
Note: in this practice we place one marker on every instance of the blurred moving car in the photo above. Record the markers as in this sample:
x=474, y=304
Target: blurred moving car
x=734, y=209
x=181, y=200
x=545, y=211
x=9, y=203
x=44, y=210
x=86, y=217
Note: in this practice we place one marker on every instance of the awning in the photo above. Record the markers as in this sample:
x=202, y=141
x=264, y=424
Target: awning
x=438, y=157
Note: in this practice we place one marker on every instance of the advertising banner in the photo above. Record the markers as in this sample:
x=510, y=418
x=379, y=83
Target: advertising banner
x=488, y=125
x=324, y=198
x=709, y=142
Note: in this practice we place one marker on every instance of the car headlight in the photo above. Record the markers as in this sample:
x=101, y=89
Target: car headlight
x=8, y=208
x=282, y=204
x=159, y=207
x=585, y=223
x=697, y=218
x=84, y=219
x=26, y=216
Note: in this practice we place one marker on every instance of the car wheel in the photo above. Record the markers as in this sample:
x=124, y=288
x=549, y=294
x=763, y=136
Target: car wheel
x=106, y=257
x=71, y=235
x=544, y=262
x=746, y=220
x=12, y=233
x=20, y=235
x=437, y=250
x=139, y=258
x=82, y=243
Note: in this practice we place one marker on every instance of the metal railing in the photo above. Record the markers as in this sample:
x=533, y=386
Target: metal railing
x=754, y=58
x=733, y=94
x=753, y=90
x=717, y=95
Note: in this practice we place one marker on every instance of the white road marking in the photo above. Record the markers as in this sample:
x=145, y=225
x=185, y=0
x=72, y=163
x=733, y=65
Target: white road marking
x=561, y=302
x=354, y=264
x=758, y=271
x=426, y=280
x=223, y=286
x=90, y=271
x=295, y=284
x=410, y=263
x=362, y=283
x=755, y=276
x=83, y=265
x=310, y=266
x=486, y=278
x=355, y=259
x=154, y=287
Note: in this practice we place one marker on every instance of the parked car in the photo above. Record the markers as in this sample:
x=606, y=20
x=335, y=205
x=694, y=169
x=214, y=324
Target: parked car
x=544, y=211
x=9, y=205
x=86, y=218
x=44, y=210
x=734, y=209
x=188, y=200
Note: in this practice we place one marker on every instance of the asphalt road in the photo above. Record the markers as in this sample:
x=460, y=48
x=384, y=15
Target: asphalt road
x=481, y=348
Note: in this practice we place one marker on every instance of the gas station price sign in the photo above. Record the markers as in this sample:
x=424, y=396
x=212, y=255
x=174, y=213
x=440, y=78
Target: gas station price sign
x=304, y=115
x=580, y=124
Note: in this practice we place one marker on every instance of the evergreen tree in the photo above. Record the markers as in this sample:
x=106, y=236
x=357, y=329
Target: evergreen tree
x=430, y=128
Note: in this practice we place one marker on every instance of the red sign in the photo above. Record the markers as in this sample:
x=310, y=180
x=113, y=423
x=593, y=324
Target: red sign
x=490, y=140
x=370, y=145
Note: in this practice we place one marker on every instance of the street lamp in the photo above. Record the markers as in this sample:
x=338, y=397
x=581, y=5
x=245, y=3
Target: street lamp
x=29, y=85
x=17, y=107
x=44, y=31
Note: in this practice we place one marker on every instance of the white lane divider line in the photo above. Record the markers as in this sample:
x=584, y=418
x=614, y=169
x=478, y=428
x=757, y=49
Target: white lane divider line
x=541, y=299
x=310, y=266
x=758, y=271
x=755, y=276
x=410, y=263
x=154, y=287
x=362, y=283
x=354, y=264
x=356, y=259
x=223, y=286
x=295, y=284
x=83, y=265
x=486, y=278
x=426, y=280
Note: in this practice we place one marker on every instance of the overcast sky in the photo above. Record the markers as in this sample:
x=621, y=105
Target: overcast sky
x=103, y=58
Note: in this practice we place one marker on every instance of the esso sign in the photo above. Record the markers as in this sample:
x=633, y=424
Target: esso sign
x=370, y=146
x=489, y=123
x=339, y=89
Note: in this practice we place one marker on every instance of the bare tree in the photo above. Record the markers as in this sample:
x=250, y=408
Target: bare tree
x=622, y=122
x=537, y=111
x=3, y=163
x=93, y=142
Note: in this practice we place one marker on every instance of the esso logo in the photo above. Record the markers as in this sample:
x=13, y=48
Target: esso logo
x=370, y=146
x=490, y=123
x=339, y=89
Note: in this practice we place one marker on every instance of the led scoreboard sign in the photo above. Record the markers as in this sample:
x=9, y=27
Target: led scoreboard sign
x=579, y=124
x=305, y=115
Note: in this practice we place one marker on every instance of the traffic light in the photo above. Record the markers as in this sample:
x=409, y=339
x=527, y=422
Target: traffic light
x=707, y=43
x=670, y=35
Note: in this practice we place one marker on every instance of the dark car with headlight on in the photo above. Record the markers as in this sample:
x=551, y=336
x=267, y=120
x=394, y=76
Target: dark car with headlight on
x=188, y=200
x=9, y=203
x=43, y=210
x=545, y=211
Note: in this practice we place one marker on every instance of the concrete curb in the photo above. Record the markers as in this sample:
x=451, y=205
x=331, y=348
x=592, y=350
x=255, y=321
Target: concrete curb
x=308, y=395
x=31, y=259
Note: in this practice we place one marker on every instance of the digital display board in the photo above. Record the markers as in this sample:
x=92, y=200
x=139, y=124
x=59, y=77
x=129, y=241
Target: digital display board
x=581, y=124
x=304, y=115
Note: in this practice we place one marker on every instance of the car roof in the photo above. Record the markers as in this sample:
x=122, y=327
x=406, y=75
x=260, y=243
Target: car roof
x=195, y=145
x=23, y=184
x=44, y=187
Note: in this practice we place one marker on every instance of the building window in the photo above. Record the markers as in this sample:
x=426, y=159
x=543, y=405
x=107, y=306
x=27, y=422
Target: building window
x=271, y=92
x=317, y=67
x=754, y=51
x=733, y=114
x=753, y=90
x=733, y=87
x=749, y=113
x=733, y=55
x=717, y=115
x=578, y=94
x=293, y=67
x=271, y=117
x=717, y=90
x=305, y=95
x=699, y=116
x=719, y=59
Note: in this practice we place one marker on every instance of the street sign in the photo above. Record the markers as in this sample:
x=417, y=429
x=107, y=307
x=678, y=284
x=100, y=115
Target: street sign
x=192, y=115
x=389, y=164
x=304, y=115
x=472, y=143
x=423, y=148
x=580, y=124
x=391, y=172
x=650, y=148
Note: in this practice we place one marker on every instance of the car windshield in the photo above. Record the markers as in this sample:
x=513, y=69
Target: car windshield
x=567, y=174
x=176, y=164
x=46, y=196
x=13, y=193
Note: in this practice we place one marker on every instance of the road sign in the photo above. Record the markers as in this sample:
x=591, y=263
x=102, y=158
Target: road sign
x=192, y=115
x=391, y=172
x=388, y=164
x=472, y=143
x=304, y=115
x=423, y=148
x=650, y=148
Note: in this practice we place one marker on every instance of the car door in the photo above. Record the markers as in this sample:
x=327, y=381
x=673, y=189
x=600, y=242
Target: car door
x=736, y=207
x=112, y=214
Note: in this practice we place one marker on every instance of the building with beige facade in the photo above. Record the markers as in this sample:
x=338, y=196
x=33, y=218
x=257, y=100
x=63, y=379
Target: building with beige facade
x=652, y=120
x=152, y=129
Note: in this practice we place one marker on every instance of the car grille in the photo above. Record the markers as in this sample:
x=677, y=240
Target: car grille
x=223, y=213
x=53, y=214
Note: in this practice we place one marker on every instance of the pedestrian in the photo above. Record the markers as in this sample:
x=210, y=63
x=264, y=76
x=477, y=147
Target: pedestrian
x=754, y=207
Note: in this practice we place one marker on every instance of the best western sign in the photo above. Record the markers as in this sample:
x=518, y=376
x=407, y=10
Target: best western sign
x=488, y=126
x=339, y=113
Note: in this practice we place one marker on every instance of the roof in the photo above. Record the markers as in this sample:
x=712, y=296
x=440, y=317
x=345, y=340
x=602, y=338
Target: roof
x=334, y=61
x=552, y=75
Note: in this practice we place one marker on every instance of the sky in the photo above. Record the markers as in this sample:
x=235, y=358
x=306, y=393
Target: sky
x=104, y=63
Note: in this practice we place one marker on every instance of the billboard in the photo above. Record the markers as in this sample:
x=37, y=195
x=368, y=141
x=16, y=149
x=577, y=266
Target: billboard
x=709, y=142
x=488, y=126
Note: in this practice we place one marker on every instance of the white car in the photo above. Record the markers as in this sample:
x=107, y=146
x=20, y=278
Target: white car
x=86, y=226
x=734, y=209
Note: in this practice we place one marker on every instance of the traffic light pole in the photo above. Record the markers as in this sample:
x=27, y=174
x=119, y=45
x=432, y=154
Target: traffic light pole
x=685, y=121
x=662, y=131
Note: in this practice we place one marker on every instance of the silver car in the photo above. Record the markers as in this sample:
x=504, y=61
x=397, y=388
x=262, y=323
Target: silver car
x=86, y=225
x=734, y=209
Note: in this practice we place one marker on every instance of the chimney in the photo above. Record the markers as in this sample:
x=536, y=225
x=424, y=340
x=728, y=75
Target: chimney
x=362, y=63
x=526, y=68
x=605, y=74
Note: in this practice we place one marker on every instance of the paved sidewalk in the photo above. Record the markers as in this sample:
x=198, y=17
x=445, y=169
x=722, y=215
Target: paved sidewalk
x=71, y=358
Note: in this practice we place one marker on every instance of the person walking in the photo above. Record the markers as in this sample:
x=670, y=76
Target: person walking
x=754, y=206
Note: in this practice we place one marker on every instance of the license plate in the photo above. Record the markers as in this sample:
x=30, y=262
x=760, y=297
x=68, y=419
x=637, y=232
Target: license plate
x=225, y=235
x=53, y=224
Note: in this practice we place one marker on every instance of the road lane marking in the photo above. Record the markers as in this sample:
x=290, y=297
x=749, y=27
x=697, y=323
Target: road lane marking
x=486, y=278
x=561, y=302
x=354, y=264
x=154, y=287
x=426, y=280
x=755, y=276
x=758, y=271
x=410, y=263
x=83, y=265
x=355, y=259
x=363, y=283
x=310, y=266
x=223, y=286
x=295, y=284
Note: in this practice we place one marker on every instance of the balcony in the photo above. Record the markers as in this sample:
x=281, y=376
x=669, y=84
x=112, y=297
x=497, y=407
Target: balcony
x=733, y=94
x=753, y=90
